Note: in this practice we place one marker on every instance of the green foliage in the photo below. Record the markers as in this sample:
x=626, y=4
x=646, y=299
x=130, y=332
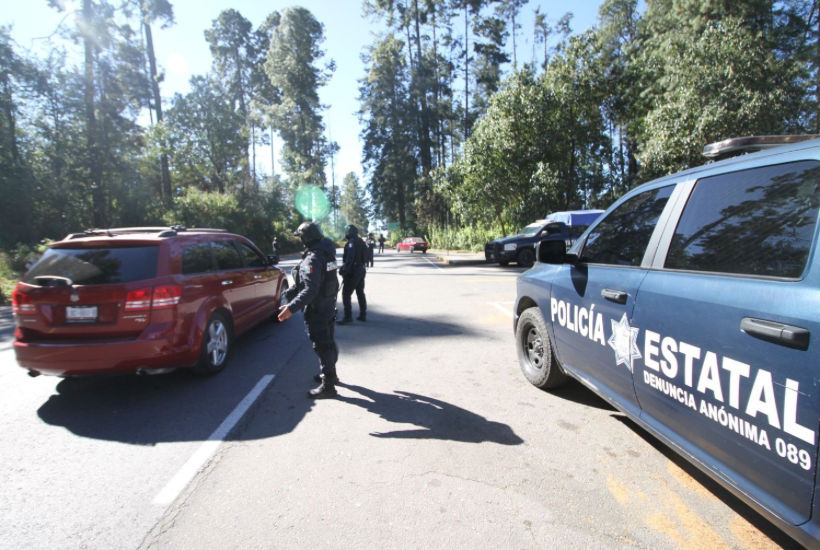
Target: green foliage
x=726, y=83
x=353, y=203
x=461, y=238
x=292, y=69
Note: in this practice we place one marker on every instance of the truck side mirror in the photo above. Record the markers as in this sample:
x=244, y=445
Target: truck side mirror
x=273, y=259
x=554, y=252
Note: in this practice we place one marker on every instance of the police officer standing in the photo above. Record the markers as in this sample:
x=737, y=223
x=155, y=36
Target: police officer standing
x=371, y=246
x=315, y=290
x=353, y=273
x=381, y=243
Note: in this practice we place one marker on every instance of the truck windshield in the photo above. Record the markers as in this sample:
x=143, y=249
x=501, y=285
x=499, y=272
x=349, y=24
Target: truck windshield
x=531, y=229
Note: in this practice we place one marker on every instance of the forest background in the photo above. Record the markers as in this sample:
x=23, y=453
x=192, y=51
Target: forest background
x=462, y=140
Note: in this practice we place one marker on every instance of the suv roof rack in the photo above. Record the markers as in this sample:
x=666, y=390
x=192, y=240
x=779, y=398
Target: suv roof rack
x=166, y=231
x=750, y=144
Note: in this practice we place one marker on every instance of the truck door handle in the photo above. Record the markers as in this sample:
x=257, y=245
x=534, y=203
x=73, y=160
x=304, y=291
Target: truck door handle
x=778, y=333
x=226, y=283
x=616, y=296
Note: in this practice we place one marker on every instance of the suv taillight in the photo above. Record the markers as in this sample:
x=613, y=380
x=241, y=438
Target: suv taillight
x=138, y=300
x=22, y=303
x=166, y=296
x=158, y=297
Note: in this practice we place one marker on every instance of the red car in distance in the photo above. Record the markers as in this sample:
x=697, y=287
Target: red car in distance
x=412, y=243
x=144, y=300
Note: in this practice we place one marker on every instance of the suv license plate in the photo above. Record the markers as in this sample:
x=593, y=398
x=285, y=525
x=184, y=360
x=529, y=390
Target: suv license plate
x=88, y=313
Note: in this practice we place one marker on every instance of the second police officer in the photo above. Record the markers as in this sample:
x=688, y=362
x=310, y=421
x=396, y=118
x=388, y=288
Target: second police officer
x=353, y=273
x=315, y=289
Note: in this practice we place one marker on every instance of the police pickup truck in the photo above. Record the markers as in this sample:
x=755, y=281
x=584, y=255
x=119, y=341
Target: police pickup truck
x=691, y=305
x=559, y=226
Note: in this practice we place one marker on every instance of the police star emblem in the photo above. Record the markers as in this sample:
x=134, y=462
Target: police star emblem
x=624, y=341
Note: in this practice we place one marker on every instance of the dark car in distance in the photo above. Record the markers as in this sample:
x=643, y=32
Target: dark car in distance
x=144, y=300
x=520, y=248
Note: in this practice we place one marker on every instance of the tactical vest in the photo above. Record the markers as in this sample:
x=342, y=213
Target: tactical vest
x=330, y=284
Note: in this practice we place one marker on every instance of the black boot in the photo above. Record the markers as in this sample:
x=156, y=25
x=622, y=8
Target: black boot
x=362, y=317
x=345, y=321
x=325, y=390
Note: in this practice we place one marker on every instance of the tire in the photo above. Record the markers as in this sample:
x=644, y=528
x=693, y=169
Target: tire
x=535, y=355
x=213, y=358
x=504, y=263
x=526, y=258
x=282, y=301
x=424, y=251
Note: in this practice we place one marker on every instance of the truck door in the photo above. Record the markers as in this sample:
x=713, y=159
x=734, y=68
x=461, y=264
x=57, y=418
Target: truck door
x=591, y=304
x=729, y=344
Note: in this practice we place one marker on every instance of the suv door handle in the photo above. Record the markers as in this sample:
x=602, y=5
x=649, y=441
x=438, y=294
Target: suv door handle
x=778, y=333
x=616, y=296
x=226, y=283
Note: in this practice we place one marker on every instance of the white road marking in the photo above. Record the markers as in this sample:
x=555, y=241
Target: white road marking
x=501, y=308
x=431, y=263
x=177, y=483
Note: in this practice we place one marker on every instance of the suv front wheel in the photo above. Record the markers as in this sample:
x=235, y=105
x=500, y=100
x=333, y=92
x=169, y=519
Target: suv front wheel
x=535, y=355
x=216, y=346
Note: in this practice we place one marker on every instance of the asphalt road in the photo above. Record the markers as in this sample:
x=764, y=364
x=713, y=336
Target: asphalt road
x=435, y=441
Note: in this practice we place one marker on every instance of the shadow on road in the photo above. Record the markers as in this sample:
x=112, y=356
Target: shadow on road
x=578, y=393
x=436, y=419
x=180, y=406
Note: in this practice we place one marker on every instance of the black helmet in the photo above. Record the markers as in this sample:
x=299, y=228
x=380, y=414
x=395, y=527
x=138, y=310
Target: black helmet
x=309, y=233
x=352, y=231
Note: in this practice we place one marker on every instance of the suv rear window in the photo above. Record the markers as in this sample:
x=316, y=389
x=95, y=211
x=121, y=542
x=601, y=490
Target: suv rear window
x=755, y=222
x=97, y=266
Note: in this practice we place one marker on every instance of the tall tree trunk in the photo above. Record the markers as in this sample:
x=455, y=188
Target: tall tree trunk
x=426, y=154
x=93, y=152
x=466, y=73
x=166, y=194
x=8, y=111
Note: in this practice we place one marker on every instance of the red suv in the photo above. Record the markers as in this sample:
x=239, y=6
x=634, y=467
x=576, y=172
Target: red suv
x=143, y=300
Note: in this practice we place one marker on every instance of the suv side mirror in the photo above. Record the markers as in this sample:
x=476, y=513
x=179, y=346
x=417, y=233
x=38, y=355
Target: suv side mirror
x=273, y=259
x=554, y=252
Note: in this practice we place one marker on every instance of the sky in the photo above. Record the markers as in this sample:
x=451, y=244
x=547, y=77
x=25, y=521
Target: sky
x=182, y=52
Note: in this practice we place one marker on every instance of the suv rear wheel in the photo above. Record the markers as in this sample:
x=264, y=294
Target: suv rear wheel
x=535, y=355
x=216, y=346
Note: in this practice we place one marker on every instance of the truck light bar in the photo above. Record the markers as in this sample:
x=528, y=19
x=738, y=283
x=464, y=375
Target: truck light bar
x=750, y=144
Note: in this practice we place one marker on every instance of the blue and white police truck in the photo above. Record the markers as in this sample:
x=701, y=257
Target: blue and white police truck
x=693, y=306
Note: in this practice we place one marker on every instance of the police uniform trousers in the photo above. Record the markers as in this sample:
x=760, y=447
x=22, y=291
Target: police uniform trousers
x=351, y=283
x=320, y=323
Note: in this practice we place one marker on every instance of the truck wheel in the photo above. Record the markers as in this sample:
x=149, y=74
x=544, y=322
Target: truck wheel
x=526, y=258
x=535, y=355
x=216, y=346
x=504, y=263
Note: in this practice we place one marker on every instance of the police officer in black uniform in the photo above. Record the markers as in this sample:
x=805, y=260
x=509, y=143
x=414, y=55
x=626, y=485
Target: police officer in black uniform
x=315, y=289
x=353, y=272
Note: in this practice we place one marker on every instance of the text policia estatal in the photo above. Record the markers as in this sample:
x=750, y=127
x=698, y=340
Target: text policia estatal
x=689, y=374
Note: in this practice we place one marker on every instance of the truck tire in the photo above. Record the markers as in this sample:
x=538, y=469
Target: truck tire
x=535, y=355
x=525, y=258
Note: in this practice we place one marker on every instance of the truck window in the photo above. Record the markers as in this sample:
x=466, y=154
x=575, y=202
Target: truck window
x=755, y=222
x=621, y=237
